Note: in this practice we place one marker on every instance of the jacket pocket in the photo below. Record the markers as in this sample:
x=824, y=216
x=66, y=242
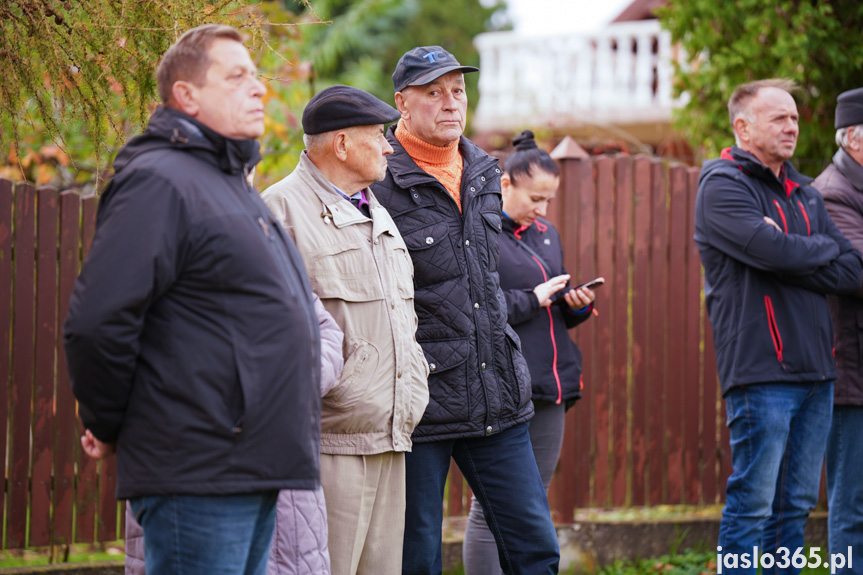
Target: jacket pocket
x=493, y=229
x=520, y=391
x=346, y=272
x=432, y=253
x=774, y=328
x=361, y=361
x=449, y=388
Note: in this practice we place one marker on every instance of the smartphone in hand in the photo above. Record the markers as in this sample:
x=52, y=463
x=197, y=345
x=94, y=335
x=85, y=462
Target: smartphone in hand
x=592, y=284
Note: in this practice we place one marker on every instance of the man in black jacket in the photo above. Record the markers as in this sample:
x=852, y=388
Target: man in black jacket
x=841, y=184
x=770, y=253
x=179, y=322
x=443, y=192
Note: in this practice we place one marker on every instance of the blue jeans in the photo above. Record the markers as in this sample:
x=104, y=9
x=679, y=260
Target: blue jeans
x=845, y=484
x=501, y=471
x=206, y=535
x=778, y=436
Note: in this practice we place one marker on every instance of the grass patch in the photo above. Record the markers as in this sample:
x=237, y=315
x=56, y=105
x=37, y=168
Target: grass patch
x=654, y=513
x=690, y=562
x=113, y=551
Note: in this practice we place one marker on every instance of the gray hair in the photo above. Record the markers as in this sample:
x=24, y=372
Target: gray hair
x=313, y=142
x=843, y=139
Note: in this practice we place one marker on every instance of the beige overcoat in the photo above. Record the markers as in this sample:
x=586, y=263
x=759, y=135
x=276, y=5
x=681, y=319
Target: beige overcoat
x=361, y=270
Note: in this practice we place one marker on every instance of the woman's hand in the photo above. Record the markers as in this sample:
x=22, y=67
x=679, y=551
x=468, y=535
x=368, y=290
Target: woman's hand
x=544, y=291
x=579, y=298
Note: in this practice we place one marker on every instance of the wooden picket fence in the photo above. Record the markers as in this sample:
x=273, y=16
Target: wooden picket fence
x=53, y=494
x=649, y=429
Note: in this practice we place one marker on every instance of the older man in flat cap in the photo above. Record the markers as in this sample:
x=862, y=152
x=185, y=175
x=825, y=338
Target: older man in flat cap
x=360, y=268
x=444, y=194
x=841, y=184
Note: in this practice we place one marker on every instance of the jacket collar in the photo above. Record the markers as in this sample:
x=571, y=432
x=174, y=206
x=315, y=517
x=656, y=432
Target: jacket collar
x=510, y=226
x=340, y=211
x=170, y=128
x=406, y=173
x=750, y=165
x=852, y=171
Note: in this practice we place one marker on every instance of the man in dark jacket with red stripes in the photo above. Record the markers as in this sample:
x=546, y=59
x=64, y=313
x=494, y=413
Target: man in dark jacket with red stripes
x=841, y=184
x=770, y=254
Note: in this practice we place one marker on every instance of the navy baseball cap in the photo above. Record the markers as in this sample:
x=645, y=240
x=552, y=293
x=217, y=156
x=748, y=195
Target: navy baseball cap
x=339, y=107
x=425, y=64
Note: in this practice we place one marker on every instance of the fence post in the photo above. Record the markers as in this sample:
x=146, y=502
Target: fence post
x=46, y=340
x=66, y=436
x=641, y=304
x=22, y=364
x=6, y=204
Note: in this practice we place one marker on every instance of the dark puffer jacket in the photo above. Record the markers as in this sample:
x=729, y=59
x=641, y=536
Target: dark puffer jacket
x=554, y=360
x=479, y=382
x=765, y=287
x=841, y=184
x=191, y=336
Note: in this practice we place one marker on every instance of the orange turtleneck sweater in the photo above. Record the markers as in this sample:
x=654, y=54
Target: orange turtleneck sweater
x=445, y=164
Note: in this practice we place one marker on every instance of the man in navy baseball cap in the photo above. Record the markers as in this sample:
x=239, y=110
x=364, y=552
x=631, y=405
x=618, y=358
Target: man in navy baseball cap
x=444, y=195
x=425, y=64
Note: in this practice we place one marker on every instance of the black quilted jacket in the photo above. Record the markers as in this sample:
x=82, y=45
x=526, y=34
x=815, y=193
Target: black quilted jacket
x=479, y=382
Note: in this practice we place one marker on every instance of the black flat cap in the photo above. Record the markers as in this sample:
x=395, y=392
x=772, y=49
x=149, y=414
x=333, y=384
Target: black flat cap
x=425, y=64
x=339, y=107
x=849, y=108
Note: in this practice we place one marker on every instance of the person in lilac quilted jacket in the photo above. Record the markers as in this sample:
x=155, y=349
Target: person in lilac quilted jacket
x=299, y=544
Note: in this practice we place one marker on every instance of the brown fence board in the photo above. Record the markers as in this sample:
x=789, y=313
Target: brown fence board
x=6, y=219
x=22, y=364
x=107, y=525
x=620, y=389
x=692, y=460
x=602, y=368
x=710, y=417
x=87, y=491
x=456, y=490
x=562, y=493
x=676, y=330
x=89, y=204
x=657, y=355
x=640, y=326
x=46, y=337
x=585, y=333
x=66, y=437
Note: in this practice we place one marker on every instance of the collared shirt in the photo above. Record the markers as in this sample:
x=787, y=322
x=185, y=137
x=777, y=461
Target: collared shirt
x=359, y=200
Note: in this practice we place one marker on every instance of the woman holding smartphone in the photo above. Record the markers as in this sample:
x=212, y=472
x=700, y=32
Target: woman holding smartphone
x=541, y=308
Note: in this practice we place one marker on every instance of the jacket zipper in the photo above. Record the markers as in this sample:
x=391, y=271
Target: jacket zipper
x=774, y=329
x=462, y=214
x=553, y=340
x=805, y=217
x=290, y=279
x=781, y=215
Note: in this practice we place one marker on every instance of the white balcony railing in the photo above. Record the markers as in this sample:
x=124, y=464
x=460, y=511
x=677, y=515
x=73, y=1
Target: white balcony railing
x=618, y=75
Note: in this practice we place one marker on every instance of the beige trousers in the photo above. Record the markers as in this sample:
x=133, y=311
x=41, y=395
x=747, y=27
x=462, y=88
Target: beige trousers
x=365, y=497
